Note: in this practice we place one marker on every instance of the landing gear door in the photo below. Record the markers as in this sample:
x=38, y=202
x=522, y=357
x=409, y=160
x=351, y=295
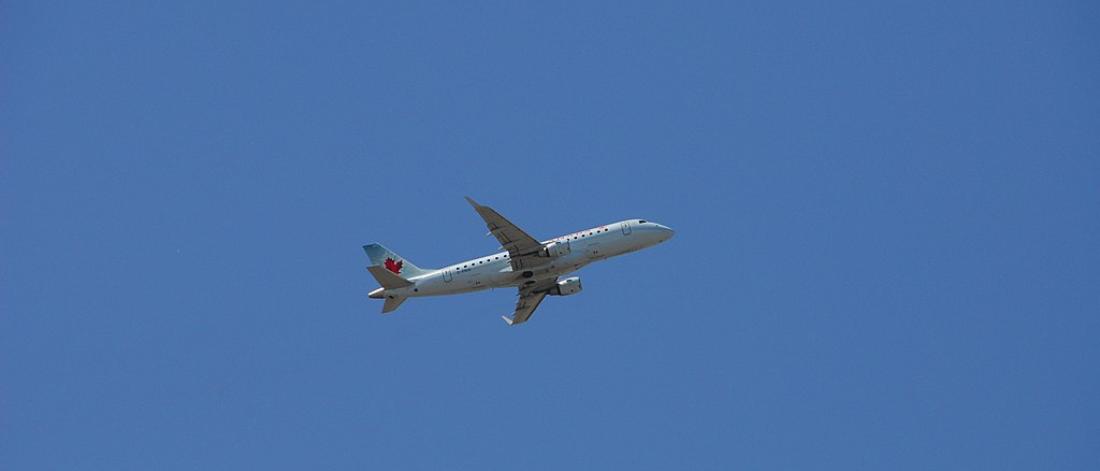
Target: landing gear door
x=626, y=227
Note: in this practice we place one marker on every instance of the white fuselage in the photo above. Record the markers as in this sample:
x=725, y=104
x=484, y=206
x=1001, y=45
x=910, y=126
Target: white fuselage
x=495, y=271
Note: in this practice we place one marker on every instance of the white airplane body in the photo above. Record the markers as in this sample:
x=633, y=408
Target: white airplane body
x=531, y=266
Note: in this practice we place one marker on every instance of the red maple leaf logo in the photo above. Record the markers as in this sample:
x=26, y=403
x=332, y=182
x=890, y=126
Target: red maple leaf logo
x=394, y=266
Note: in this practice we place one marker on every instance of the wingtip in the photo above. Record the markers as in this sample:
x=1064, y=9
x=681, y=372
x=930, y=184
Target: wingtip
x=507, y=320
x=471, y=201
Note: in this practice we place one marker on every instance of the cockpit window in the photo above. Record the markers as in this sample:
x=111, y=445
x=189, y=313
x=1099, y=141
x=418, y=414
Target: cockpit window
x=641, y=221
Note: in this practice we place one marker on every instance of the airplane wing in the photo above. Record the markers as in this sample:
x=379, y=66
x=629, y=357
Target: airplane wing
x=529, y=299
x=521, y=247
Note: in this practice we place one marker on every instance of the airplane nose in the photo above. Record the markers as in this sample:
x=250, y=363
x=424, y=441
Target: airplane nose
x=667, y=233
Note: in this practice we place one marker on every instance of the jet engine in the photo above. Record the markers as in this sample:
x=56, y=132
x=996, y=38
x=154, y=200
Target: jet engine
x=567, y=286
x=556, y=249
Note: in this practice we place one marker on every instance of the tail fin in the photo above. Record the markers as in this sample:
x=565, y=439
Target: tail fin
x=382, y=256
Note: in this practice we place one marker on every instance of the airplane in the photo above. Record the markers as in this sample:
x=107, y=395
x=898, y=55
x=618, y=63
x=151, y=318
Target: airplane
x=534, y=267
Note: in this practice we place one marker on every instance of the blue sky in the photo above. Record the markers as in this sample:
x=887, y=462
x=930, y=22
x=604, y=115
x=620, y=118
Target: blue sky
x=886, y=252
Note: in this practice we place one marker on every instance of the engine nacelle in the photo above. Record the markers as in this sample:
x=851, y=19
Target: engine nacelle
x=556, y=249
x=566, y=287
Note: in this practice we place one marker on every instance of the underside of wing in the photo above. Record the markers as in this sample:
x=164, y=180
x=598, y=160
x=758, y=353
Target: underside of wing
x=520, y=245
x=529, y=299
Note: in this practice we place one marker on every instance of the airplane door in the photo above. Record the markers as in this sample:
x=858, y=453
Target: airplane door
x=626, y=228
x=447, y=276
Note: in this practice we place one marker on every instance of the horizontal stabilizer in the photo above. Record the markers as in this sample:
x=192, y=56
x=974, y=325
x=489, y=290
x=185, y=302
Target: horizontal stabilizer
x=392, y=303
x=388, y=279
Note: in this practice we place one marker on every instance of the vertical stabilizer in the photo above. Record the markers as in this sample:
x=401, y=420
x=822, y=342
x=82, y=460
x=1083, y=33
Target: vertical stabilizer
x=381, y=256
